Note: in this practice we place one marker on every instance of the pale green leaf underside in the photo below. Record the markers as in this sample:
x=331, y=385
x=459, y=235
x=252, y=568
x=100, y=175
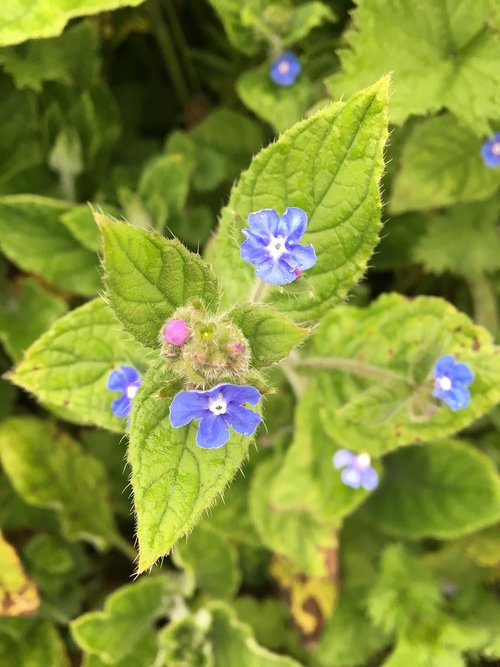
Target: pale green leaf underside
x=442, y=490
x=329, y=165
x=441, y=52
x=404, y=337
x=173, y=479
x=69, y=365
x=34, y=19
x=50, y=470
x=148, y=277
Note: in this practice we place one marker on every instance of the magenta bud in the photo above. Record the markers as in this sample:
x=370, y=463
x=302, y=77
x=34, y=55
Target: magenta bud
x=176, y=332
x=297, y=272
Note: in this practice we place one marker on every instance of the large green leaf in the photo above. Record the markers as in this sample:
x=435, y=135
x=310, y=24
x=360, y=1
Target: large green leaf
x=50, y=470
x=148, y=277
x=18, y=594
x=47, y=18
x=393, y=345
x=69, y=365
x=441, y=165
x=33, y=237
x=329, y=165
x=174, y=481
x=442, y=53
x=443, y=490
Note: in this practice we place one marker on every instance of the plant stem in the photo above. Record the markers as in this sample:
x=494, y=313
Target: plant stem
x=67, y=181
x=165, y=44
x=350, y=366
x=181, y=43
x=484, y=300
x=259, y=291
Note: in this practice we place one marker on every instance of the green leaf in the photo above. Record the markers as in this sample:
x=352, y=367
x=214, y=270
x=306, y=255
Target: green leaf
x=212, y=560
x=280, y=106
x=33, y=238
x=306, y=17
x=184, y=642
x=443, y=490
x=329, y=165
x=18, y=594
x=403, y=339
x=270, y=334
x=50, y=470
x=148, y=277
x=421, y=654
x=79, y=220
x=269, y=619
x=442, y=54
x=294, y=533
x=462, y=231
x=441, y=165
x=128, y=616
x=174, y=481
x=144, y=654
x=69, y=365
x=307, y=480
x=38, y=644
x=47, y=18
x=25, y=314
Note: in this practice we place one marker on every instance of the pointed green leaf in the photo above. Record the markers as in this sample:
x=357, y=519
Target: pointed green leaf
x=174, y=481
x=49, y=469
x=148, y=277
x=329, y=165
x=270, y=334
x=443, y=490
x=69, y=365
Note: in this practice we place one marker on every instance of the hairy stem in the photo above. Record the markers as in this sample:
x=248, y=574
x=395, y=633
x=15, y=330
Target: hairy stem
x=258, y=291
x=484, y=300
x=349, y=366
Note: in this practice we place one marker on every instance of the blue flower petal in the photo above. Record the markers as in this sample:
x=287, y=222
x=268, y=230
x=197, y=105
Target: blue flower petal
x=351, y=476
x=213, y=432
x=252, y=252
x=122, y=406
x=444, y=366
x=285, y=69
x=264, y=223
x=117, y=381
x=276, y=272
x=369, y=479
x=293, y=223
x=303, y=257
x=343, y=458
x=462, y=374
x=490, y=153
x=131, y=374
x=242, y=419
x=237, y=393
x=188, y=405
x=457, y=398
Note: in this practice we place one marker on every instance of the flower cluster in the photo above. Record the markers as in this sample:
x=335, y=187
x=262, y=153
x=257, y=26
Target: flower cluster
x=451, y=379
x=490, y=151
x=357, y=470
x=127, y=381
x=285, y=69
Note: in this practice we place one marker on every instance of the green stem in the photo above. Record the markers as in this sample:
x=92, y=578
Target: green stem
x=67, y=181
x=165, y=44
x=181, y=43
x=259, y=291
x=484, y=300
x=350, y=366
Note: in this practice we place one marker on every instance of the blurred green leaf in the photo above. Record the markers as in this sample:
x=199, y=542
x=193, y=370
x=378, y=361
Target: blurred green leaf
x=37, y=643
x=18, y=593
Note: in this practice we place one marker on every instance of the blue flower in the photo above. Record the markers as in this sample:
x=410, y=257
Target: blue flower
x=490, y=151
x=217, y=409
x=358, y=470
x=285, y=69
x=273, y=246
x=127, y=381
x=450, y=381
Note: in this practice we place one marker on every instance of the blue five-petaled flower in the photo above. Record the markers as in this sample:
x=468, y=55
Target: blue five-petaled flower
x=490, y=151
x=451, y=379
x=357, y=470
x=126, y=380
x=217, y=409
x=285, y=69
x=272, y=245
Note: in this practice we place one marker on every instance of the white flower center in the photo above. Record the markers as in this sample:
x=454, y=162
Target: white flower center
x=444, y=383
x=217, y=405
x=132, y=391
x=363, y=461
x=276, y=247
x=284, y=67
x=495, y=149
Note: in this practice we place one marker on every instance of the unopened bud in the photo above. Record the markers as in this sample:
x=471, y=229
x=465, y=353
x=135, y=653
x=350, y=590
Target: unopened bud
x=176, y=332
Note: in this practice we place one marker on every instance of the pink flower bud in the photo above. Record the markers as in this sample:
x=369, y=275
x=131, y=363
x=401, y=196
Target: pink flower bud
x=237, y=348
x=176, y=332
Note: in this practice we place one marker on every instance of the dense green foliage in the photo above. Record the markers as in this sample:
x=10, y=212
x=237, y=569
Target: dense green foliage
x=135, y=139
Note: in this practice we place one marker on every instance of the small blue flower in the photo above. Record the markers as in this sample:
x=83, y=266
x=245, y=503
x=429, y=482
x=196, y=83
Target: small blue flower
x=285, y=69
x=217, y=409
x=450, y=381
x=358, y=470
x=490, y=151
x=127, y=381
x=273, y=246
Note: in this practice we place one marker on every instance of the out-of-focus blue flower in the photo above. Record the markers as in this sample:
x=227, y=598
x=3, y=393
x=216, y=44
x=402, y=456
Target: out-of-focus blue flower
x=285, y=69
x=490, y=151
x=451, y=379
x=217, y=409
x=357, y=470
x=127, y=381
x=272, y=245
